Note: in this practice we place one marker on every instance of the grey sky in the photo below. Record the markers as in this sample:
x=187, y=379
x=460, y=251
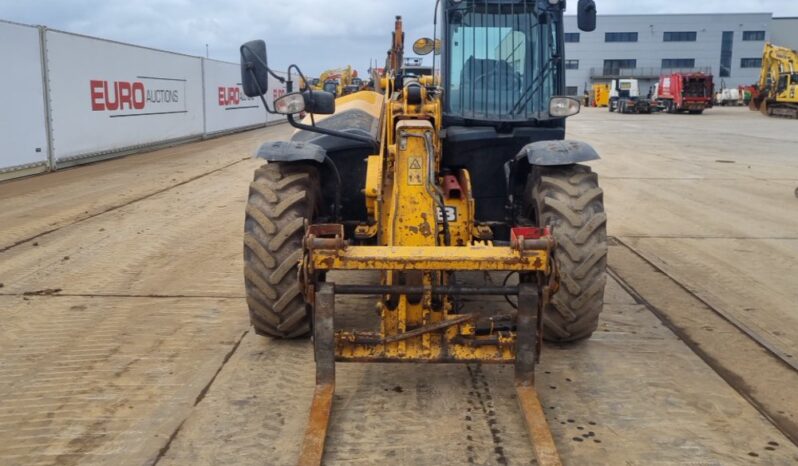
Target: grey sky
x=314, y=34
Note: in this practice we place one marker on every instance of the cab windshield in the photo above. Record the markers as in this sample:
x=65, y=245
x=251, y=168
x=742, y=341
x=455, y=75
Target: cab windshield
x=500, y=62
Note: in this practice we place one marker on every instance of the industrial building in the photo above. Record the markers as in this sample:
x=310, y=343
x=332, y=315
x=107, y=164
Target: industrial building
x=728, y=45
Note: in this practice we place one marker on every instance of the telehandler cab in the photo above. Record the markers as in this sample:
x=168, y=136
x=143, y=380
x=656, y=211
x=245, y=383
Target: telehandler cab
x=428, y=178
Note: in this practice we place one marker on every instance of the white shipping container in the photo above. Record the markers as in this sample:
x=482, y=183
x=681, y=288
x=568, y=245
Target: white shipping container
x=107, y=96
x=23, y=135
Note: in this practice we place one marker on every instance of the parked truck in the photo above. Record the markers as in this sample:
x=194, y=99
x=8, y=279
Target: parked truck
x=728, y=97
x=625, y=97
x=685, y=92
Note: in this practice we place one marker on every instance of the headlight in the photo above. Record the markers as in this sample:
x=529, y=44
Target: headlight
x=290, y=104
x=562, y=107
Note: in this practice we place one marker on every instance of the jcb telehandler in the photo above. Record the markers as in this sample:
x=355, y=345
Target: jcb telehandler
x=466, y=169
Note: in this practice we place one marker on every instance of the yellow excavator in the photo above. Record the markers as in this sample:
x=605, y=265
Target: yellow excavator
x=778, y=83
x=424, y=182
x=336, y=80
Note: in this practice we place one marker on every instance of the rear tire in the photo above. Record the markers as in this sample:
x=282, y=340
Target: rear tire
x=283, y=198
x=569, y=199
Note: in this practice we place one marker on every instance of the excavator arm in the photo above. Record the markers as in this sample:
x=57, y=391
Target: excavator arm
x=342, y=76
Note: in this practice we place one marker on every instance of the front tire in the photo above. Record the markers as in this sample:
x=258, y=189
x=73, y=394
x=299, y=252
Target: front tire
x=283, y=198
x=569, y=199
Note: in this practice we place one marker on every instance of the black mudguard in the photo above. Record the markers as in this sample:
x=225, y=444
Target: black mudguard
x=348, y=156
x=545, y=154
x=291, y=151
x=551, y=153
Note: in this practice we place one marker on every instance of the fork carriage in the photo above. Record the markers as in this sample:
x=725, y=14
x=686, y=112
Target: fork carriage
x=420, y=323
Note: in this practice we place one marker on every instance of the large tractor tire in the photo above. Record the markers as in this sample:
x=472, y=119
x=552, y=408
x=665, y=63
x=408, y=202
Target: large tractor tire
x=568, y=199
x=282, y=199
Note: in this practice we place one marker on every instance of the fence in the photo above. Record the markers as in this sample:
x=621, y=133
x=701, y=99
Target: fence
x=73, y=99
x=23, y=134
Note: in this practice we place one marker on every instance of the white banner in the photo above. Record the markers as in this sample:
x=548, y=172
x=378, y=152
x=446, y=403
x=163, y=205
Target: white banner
x=23, y=134
x=226, y=106
x=107, y=96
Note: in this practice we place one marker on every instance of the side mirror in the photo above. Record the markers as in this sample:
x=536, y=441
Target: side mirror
x=254, y=68
x=425, y=46
x=586, y=15
x=319, y=102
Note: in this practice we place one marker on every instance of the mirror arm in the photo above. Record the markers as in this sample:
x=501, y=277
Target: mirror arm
x=260, y=91
x=330, y=132
x=265, y=64
x=276, y=76
x=434, y=38
x=290, y=86
x=309, y=87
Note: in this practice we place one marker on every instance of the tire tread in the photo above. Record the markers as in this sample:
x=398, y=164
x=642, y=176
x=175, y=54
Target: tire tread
x=569, y=199
x=282, y=200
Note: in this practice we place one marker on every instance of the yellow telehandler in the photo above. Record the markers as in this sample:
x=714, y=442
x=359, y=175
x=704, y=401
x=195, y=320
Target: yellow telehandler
x=424, y=181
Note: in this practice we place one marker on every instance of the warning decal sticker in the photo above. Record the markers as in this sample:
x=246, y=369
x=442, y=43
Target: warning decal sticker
x=414, y=171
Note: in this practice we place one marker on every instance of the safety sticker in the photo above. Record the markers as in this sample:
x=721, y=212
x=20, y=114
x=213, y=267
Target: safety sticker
x=415, y=171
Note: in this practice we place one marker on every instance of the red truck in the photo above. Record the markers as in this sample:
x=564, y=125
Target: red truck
x=685, y=92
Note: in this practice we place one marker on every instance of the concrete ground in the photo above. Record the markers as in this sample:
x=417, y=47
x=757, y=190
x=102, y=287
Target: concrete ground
x=124, y=337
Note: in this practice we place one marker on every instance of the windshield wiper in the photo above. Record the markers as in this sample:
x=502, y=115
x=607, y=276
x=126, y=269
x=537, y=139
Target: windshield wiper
x=535, y=86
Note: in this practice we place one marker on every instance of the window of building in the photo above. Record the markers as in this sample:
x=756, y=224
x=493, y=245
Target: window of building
x=571, y=90
x=614, y=67
x=726, y=49
x=751, y=63
x=571, y=37
x=682, y=63
x=680, y=36
x=754, y=35
x=620, y=37
x=571, y=64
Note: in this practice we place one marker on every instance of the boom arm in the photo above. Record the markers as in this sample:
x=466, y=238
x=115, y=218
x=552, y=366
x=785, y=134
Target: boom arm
x=397, y=51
